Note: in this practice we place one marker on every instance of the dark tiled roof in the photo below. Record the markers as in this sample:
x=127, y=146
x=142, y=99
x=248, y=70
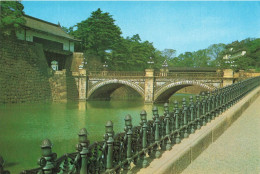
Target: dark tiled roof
x=46, y=27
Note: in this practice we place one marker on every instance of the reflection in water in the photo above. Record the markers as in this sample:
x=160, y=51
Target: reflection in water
x=82, y=105
x=114, y=104
x=24, y=126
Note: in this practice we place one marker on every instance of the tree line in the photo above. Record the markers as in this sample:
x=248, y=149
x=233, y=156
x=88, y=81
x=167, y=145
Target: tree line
x=102, y=42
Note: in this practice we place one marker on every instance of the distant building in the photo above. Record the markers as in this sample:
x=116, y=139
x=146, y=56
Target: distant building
x=230, y=59
x=57, y=44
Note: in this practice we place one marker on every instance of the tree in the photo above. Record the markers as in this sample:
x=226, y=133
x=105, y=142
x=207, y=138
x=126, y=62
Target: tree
x=67, y=30
x=98, y=34
x=133, y=54
x=11, y=16
x=169, y=53
x=201, y=58
x=185, y=60
x=214, y=52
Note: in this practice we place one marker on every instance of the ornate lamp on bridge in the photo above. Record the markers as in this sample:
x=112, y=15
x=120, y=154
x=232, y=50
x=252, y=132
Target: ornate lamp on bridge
x=164, y=71
x=165, y=64
x=105, y=68
x=150, y=62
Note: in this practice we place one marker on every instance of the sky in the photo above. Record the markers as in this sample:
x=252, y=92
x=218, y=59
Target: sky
x=180, y=25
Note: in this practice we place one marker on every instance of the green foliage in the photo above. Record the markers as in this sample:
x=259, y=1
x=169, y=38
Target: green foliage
x=98, y=34
x=251, y=60
x=202, y=58
x=132, y=54
x=102, y=42
x=11, y=16
x=67, y=30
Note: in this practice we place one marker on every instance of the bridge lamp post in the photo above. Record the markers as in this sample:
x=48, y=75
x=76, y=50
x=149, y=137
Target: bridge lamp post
x=105, y=66
x=165, y=64
x=150, y=62
x=84, y=63
x=165, y=67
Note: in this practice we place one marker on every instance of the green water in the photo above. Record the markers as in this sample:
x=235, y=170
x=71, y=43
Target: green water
x=24, y=126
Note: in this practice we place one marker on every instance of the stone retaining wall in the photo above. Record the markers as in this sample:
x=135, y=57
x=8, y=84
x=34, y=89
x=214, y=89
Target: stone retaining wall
x=59, y=86
x=26, y=77
x=23, y=72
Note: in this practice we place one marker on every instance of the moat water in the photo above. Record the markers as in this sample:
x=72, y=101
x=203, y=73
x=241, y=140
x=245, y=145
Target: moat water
x=24, y=126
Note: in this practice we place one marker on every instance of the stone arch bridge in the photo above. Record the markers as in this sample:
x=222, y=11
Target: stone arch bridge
x=152, y=86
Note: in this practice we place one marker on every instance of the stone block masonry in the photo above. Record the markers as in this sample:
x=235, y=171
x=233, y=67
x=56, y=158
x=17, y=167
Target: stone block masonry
x=63, y=86
x=23, y=72
x=58, y=86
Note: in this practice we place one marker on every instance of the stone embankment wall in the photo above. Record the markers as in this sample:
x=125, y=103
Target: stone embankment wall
x=26, y=77
x=58, y=86
x=23, y=72
x=63, y=84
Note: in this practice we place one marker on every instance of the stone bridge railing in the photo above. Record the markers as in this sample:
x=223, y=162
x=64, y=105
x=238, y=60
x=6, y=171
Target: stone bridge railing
x=118, y=150
x=190, y=75
x=116, y=73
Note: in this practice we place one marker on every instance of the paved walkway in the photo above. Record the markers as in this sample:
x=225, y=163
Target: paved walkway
x=236, y=151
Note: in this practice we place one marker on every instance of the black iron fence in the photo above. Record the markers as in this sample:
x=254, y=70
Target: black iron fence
x=137, y=143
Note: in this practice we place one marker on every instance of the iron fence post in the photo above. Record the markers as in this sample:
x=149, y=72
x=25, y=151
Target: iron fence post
x=203, y=109
x=168, y=143
x=198, y=111
x=192, y=114
x=129, y=133
x=157, y=135
x=143, y=116
x=110, y=141
x=47, y=161
x=209, y=107
x=83, y=141
x=185, y=123
x=177, y=122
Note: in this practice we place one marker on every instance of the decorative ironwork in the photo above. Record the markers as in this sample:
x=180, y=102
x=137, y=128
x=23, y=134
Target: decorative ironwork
x=2, y=162
x=117, y=152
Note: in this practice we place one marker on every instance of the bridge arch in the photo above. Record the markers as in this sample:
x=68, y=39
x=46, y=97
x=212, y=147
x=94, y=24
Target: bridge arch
x=165, y=92
x=105, y=88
